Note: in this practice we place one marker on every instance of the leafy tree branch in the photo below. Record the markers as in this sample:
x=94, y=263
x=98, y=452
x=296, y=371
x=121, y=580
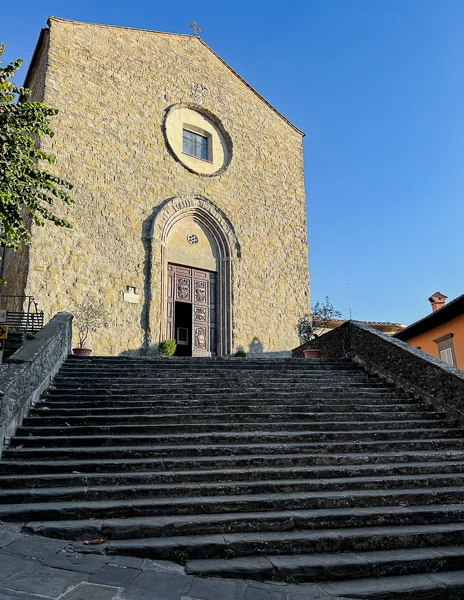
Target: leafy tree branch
x=27, y=191
x=319, y=319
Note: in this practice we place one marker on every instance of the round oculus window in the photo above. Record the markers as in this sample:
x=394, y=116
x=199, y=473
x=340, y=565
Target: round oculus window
x=197, y=139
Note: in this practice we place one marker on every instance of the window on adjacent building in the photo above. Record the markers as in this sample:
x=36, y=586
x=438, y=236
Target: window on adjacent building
x=446, y=349
x=447, y=356
x=195, y=144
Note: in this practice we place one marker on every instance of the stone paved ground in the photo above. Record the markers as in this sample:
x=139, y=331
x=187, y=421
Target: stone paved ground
x=34, y=567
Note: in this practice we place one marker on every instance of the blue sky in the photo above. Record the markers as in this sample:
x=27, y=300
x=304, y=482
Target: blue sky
x=378, y=87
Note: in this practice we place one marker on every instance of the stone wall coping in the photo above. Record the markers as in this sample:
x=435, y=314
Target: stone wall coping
x=30, y=350
x=30, y=371
x=414, y=351
x=440, y=385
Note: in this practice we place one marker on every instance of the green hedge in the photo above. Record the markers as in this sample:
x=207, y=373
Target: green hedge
x=167, y=347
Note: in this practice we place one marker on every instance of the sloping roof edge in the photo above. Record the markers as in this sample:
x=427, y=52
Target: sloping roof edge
x=369, y=323
x=294, y=127
x=37, y=47
x=447, y=312
x=251, y=88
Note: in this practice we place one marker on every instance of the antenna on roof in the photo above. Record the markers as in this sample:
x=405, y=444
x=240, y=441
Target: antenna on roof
x=348, y=289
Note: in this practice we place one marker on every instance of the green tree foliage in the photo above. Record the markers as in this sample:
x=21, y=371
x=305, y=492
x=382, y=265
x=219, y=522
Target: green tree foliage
x=27, y=192
x=318, y=320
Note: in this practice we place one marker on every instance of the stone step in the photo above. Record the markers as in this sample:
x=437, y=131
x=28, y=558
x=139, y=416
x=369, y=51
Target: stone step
x=425, y=586
x=204, y=524
x=319, y=567
x=265, y=447
x=42, y=418
x=234, y=377
x=210, y=364
x=108, y=477
x=313, y=414
x=24, y=464
x=218, y=382
x=222, y=393
x=259, y=436
x=260, y=372
x=192, y=429
x=168, y=385
x=225, y=488
x=217, y=408
x=164, y=401
x=53, y=511
x=292, y=542
x=90, y=464
x=214, y=370
x=230, y=376
x=253, y=369
x=58, y=399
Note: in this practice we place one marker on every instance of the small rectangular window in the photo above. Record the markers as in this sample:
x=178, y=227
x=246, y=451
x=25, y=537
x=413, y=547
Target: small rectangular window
x=446, y=349
x=447, y=356
x=195, y=144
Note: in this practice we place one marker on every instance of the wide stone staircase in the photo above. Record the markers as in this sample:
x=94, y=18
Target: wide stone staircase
x=293, y=470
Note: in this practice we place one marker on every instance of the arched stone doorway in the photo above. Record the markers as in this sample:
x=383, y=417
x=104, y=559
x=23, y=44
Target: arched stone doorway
x=193, y=241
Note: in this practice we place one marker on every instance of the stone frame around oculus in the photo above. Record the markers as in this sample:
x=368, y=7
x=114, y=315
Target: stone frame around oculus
x=218, y=131
x=213, y=219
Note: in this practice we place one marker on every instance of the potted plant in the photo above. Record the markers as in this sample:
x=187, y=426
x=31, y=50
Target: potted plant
x=89, y=317
x=306, y=330
x=315, y=323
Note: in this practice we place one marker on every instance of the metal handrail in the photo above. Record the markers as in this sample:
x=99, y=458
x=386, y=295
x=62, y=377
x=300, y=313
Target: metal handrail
x=16, y=305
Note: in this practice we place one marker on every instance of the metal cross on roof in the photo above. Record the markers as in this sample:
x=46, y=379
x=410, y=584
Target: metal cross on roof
x=195, y=28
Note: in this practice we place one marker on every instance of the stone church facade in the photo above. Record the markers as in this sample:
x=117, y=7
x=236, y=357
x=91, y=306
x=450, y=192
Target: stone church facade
x=189, y=216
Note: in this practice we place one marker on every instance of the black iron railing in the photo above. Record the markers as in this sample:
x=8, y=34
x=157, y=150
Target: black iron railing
x=22, y=313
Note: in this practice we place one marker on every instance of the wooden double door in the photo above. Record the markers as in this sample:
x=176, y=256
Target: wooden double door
x=191, y=318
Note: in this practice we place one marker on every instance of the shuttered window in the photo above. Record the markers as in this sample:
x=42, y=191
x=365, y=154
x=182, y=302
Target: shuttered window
x=447, y=356
x=446, y=349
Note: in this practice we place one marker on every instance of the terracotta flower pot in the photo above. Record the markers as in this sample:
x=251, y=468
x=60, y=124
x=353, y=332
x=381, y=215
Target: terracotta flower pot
x=312, y=353
x=82, y=351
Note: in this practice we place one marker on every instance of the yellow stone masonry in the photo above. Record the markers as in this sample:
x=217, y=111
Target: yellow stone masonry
x=113, y=87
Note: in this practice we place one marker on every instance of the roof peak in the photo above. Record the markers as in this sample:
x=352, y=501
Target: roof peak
x=437, y=295
x=52, y=18
x=193, y=37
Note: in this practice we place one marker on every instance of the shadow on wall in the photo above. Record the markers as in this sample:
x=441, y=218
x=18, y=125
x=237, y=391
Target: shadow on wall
x=256, y=350
x=147, y=348
x=152, y=350
x=256, y=346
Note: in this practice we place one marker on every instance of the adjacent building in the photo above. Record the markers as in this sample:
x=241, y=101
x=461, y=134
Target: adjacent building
x=441, y=333
x=385, y=326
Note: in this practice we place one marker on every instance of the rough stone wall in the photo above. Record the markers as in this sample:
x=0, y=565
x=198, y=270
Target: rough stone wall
x=439, y=384
x=29, y=372
x=113, y=87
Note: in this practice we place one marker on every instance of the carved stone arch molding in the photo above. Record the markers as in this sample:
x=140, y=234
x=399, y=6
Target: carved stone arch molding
x=214, y=220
